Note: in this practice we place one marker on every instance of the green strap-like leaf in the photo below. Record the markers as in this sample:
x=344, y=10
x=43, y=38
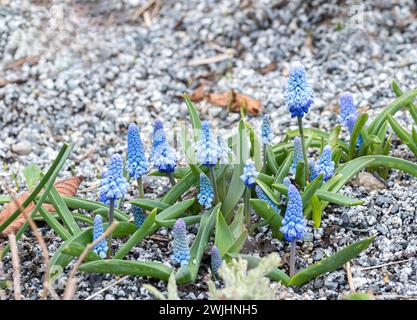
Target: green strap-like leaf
x=151, y=269
x=148, y=227
x=223, y=236
x=391, y=109
x=330, y=263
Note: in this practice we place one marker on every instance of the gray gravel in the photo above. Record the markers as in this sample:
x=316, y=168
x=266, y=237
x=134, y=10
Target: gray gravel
x=100, y=69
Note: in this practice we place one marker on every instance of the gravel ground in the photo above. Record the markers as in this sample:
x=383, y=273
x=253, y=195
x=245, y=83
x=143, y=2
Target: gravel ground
x=95, y=67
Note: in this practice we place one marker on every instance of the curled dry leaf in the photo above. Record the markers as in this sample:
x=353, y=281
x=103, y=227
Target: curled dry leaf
x=66, y=187
x=231, y=100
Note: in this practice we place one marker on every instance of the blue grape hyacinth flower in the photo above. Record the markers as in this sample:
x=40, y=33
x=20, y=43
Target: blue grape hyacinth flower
x=136, y=165
x=101, y=247
x=249, y=173
x=138, y=215
x=293, y=224
x=266, y=132
x=325, y=165
x=224, y=150
x=348, y=113
x=298, y=154
x=205, y=196
x=163, y=157
x=286, y=182
x=299, y=94
x=262, y=195
x=113, y=185
x=181, y=251
x=208, y=150
x=216, y=259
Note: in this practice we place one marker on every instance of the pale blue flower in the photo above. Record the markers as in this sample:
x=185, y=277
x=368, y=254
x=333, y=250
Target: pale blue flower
x=136, y=165
x=293, y=224
x=205, y=196
x=249, y=173
x=299, y=93
x=298, y=154
x=181, y=251
x=101, y=247
x=113, y=185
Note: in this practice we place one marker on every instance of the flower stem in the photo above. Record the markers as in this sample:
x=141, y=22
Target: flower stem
x=140, y=188
x=214, y=184
x=171, y=179
x=111, y=218
x=264, y=158
x=247, y=207
x=292, y=258
x=300, y=126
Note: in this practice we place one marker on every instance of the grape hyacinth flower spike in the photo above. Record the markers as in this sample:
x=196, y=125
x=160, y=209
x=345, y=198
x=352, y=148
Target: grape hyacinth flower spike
x=163, y=157
x=262, y=195
x=297, y=155
x=224, y=150
x=249, y=173
x=100, y=248
x=205, y=196
x=266, y=135
x=248, y=177
x=216, y=260
x=325, y=165
x=113, y=186
x=208, y=154
x=181, y=251
x=137, y=164
x=138, y=215
x=299, y=97
x=348, y=113
x=293, y=224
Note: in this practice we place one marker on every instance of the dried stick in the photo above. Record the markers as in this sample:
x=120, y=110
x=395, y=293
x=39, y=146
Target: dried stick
x=72, y=280
x=107, y=287
x=385, y=264
x=16, y=266
x=349, y=277
x=42, y=244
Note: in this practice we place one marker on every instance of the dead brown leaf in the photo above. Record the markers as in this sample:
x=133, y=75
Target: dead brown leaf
x=66, y=187
x=268, y=68
x=231, y=100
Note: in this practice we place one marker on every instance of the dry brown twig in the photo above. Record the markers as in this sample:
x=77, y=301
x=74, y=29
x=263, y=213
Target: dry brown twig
x=385, y=264
x=143, y=9
x=107, y=287
x=16, y=266
x=42, y=244
x=349, y=277
x=72, y=280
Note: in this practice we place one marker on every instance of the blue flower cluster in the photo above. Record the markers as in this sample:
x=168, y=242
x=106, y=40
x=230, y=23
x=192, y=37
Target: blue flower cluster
x=136, y=165
x=293, y=224
x=224, y=150
x=205, y=196
x=298, y=154
x=249, y=173
x=101, y=247
x=261, y=195
x=348, y=113
x=181, y=251
x=208, y=149
x=113, y=185
x=299, y=93
x=138, y=215
x=266, y=132
x=325, y=165
x=216, y=259
x=163, y=156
